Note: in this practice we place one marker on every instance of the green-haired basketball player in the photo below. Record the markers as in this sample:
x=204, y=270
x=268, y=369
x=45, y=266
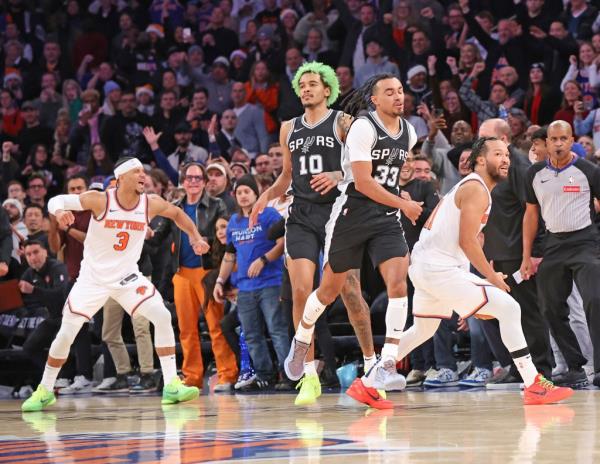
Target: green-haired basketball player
x=313, y=147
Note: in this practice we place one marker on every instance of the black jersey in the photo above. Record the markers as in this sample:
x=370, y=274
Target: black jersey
x=387, y=153
x=315, y=149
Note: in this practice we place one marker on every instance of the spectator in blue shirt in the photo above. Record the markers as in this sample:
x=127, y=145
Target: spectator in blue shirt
x=259, y=273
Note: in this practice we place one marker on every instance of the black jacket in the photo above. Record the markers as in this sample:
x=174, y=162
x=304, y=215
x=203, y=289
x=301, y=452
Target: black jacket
x=504, y=229
x=50, y=287
x=419, y=190
x=209, y=210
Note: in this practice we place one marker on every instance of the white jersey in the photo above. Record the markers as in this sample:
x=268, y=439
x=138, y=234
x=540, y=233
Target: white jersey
x=439, y=240
x=114, y=241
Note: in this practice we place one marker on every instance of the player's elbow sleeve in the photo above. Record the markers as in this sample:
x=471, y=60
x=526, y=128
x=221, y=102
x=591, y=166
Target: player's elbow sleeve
x=65, y=202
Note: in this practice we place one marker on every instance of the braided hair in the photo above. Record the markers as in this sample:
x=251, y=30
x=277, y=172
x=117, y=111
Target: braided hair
x=360, y=99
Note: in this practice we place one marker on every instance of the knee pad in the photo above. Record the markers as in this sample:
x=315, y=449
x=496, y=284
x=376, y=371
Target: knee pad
x=64, y=339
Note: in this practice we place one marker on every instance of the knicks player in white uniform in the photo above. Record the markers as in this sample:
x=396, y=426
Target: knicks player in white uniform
x=112, y=248
x=439, y=269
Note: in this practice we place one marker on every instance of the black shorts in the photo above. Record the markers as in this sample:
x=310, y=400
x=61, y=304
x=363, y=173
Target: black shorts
x=305, y=230
x=363, y=226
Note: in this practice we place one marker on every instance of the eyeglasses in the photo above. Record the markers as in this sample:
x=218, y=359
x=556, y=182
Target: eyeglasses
x=194, y=178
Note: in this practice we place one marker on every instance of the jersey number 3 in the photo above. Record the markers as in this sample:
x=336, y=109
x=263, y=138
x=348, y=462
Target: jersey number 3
x=123, y=241
x=315, y=165
x=387, y=175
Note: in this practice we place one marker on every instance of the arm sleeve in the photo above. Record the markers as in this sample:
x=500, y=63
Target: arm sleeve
x=163, y=163
x=360, y=139
x=530, y=196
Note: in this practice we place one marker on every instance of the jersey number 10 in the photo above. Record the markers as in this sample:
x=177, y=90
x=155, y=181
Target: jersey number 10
x=315, y=165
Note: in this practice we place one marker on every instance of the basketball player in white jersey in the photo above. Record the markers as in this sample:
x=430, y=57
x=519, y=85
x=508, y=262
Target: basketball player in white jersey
x=112, y=248
x=440, y=270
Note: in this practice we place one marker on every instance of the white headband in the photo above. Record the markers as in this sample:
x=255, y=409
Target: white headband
x=127, y=166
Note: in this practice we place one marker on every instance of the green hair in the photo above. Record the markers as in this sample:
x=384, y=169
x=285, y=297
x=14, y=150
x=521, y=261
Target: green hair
x=327, y=76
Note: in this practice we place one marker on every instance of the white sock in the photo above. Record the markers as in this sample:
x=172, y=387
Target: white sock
x=312, y=310
x=310, y=368
x=395, y=317
x=49, y=377
x=169, y=367
x=389, y=351
x=367, y=379
x=526, y=369
x=369, y=362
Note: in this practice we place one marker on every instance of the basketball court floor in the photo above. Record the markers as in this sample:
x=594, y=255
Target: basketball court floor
x=425, y=427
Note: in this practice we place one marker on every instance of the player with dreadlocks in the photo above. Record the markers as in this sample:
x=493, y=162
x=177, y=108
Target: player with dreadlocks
x=366, y=217
x=312, y=146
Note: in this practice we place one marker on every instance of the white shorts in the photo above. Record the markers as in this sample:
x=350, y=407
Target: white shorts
x=441, y=290
x=87, y=296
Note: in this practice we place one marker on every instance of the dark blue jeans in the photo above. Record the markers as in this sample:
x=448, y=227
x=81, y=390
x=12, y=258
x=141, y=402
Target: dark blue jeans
x=256, y=309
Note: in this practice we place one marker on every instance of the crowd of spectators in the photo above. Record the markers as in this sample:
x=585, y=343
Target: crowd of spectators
x=197, y=91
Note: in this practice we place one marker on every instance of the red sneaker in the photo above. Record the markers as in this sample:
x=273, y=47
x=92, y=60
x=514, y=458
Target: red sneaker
x=542, y=391
x=367, y=395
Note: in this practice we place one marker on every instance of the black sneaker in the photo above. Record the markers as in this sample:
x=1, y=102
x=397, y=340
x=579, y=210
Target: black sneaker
x=120, y=385
x=574, y=378
x=145, y=384
x=284, y=384
x=258, y=385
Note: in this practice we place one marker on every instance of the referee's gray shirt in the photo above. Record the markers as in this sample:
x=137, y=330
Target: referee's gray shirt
x=566, y=196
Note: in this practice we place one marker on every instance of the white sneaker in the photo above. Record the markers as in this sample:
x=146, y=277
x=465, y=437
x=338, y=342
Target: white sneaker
x=386, y=376
x=106, y=382
x=80, y=385
x=444, y=378
x=61, y=383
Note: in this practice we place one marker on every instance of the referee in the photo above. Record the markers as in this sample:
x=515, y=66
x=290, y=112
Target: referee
x=564, y=188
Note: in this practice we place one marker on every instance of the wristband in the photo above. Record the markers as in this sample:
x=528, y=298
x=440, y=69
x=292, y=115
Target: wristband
x=264, y=260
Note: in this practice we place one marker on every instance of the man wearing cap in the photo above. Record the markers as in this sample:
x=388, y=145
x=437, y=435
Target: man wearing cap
x=250, y=129
x=219, y=86
x=33, y=132
x=219, y=185
x=417, y=83
x=186, y=151
x=268, y=50
x=144, y=96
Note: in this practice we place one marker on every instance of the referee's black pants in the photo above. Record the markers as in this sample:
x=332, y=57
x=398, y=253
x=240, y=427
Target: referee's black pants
x=534, y=326
x=568, y=257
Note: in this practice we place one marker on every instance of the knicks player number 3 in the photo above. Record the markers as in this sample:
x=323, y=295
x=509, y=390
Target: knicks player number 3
x=123, y=241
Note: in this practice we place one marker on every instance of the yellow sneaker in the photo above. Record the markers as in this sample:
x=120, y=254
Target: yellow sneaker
x=310, y=390
x=40, y=399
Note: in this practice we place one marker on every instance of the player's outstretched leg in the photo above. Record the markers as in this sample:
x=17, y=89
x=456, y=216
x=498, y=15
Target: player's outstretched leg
x=57, y=356
x=174, y=391
x=538, y=390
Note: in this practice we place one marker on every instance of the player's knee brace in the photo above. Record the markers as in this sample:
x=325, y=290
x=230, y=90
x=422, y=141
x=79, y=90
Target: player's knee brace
x=156, y=312
x=64, y=339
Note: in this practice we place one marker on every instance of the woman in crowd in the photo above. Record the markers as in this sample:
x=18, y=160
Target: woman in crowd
x=571, y=95
x=541, y=101
x=261, y=89
x=71, y=94
x=12, y=121
x=585, y=72
x=99, y=166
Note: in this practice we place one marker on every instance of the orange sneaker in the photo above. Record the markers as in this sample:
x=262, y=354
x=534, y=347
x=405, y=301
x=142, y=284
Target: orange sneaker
x=542, y=391
x=367, y=395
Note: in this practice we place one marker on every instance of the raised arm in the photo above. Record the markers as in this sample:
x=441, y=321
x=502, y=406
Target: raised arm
x=157, y=206
x=282, y=183
x=472, y=200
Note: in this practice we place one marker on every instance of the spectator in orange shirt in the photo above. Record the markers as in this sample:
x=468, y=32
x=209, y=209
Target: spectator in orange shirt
x=261, y=89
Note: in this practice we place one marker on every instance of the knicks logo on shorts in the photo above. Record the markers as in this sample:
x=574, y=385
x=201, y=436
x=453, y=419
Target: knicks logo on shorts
x=141, y=290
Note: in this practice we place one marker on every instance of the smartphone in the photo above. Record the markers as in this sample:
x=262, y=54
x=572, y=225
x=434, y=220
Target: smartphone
x=438, y=112
x=187, y=33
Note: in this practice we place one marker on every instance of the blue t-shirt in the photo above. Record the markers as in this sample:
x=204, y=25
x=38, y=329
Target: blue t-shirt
x=252, y=244
x=187, y=257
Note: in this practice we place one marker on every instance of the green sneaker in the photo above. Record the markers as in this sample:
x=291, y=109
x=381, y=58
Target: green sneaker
x=178, y=392
x=40, y=399
x=310, y=390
